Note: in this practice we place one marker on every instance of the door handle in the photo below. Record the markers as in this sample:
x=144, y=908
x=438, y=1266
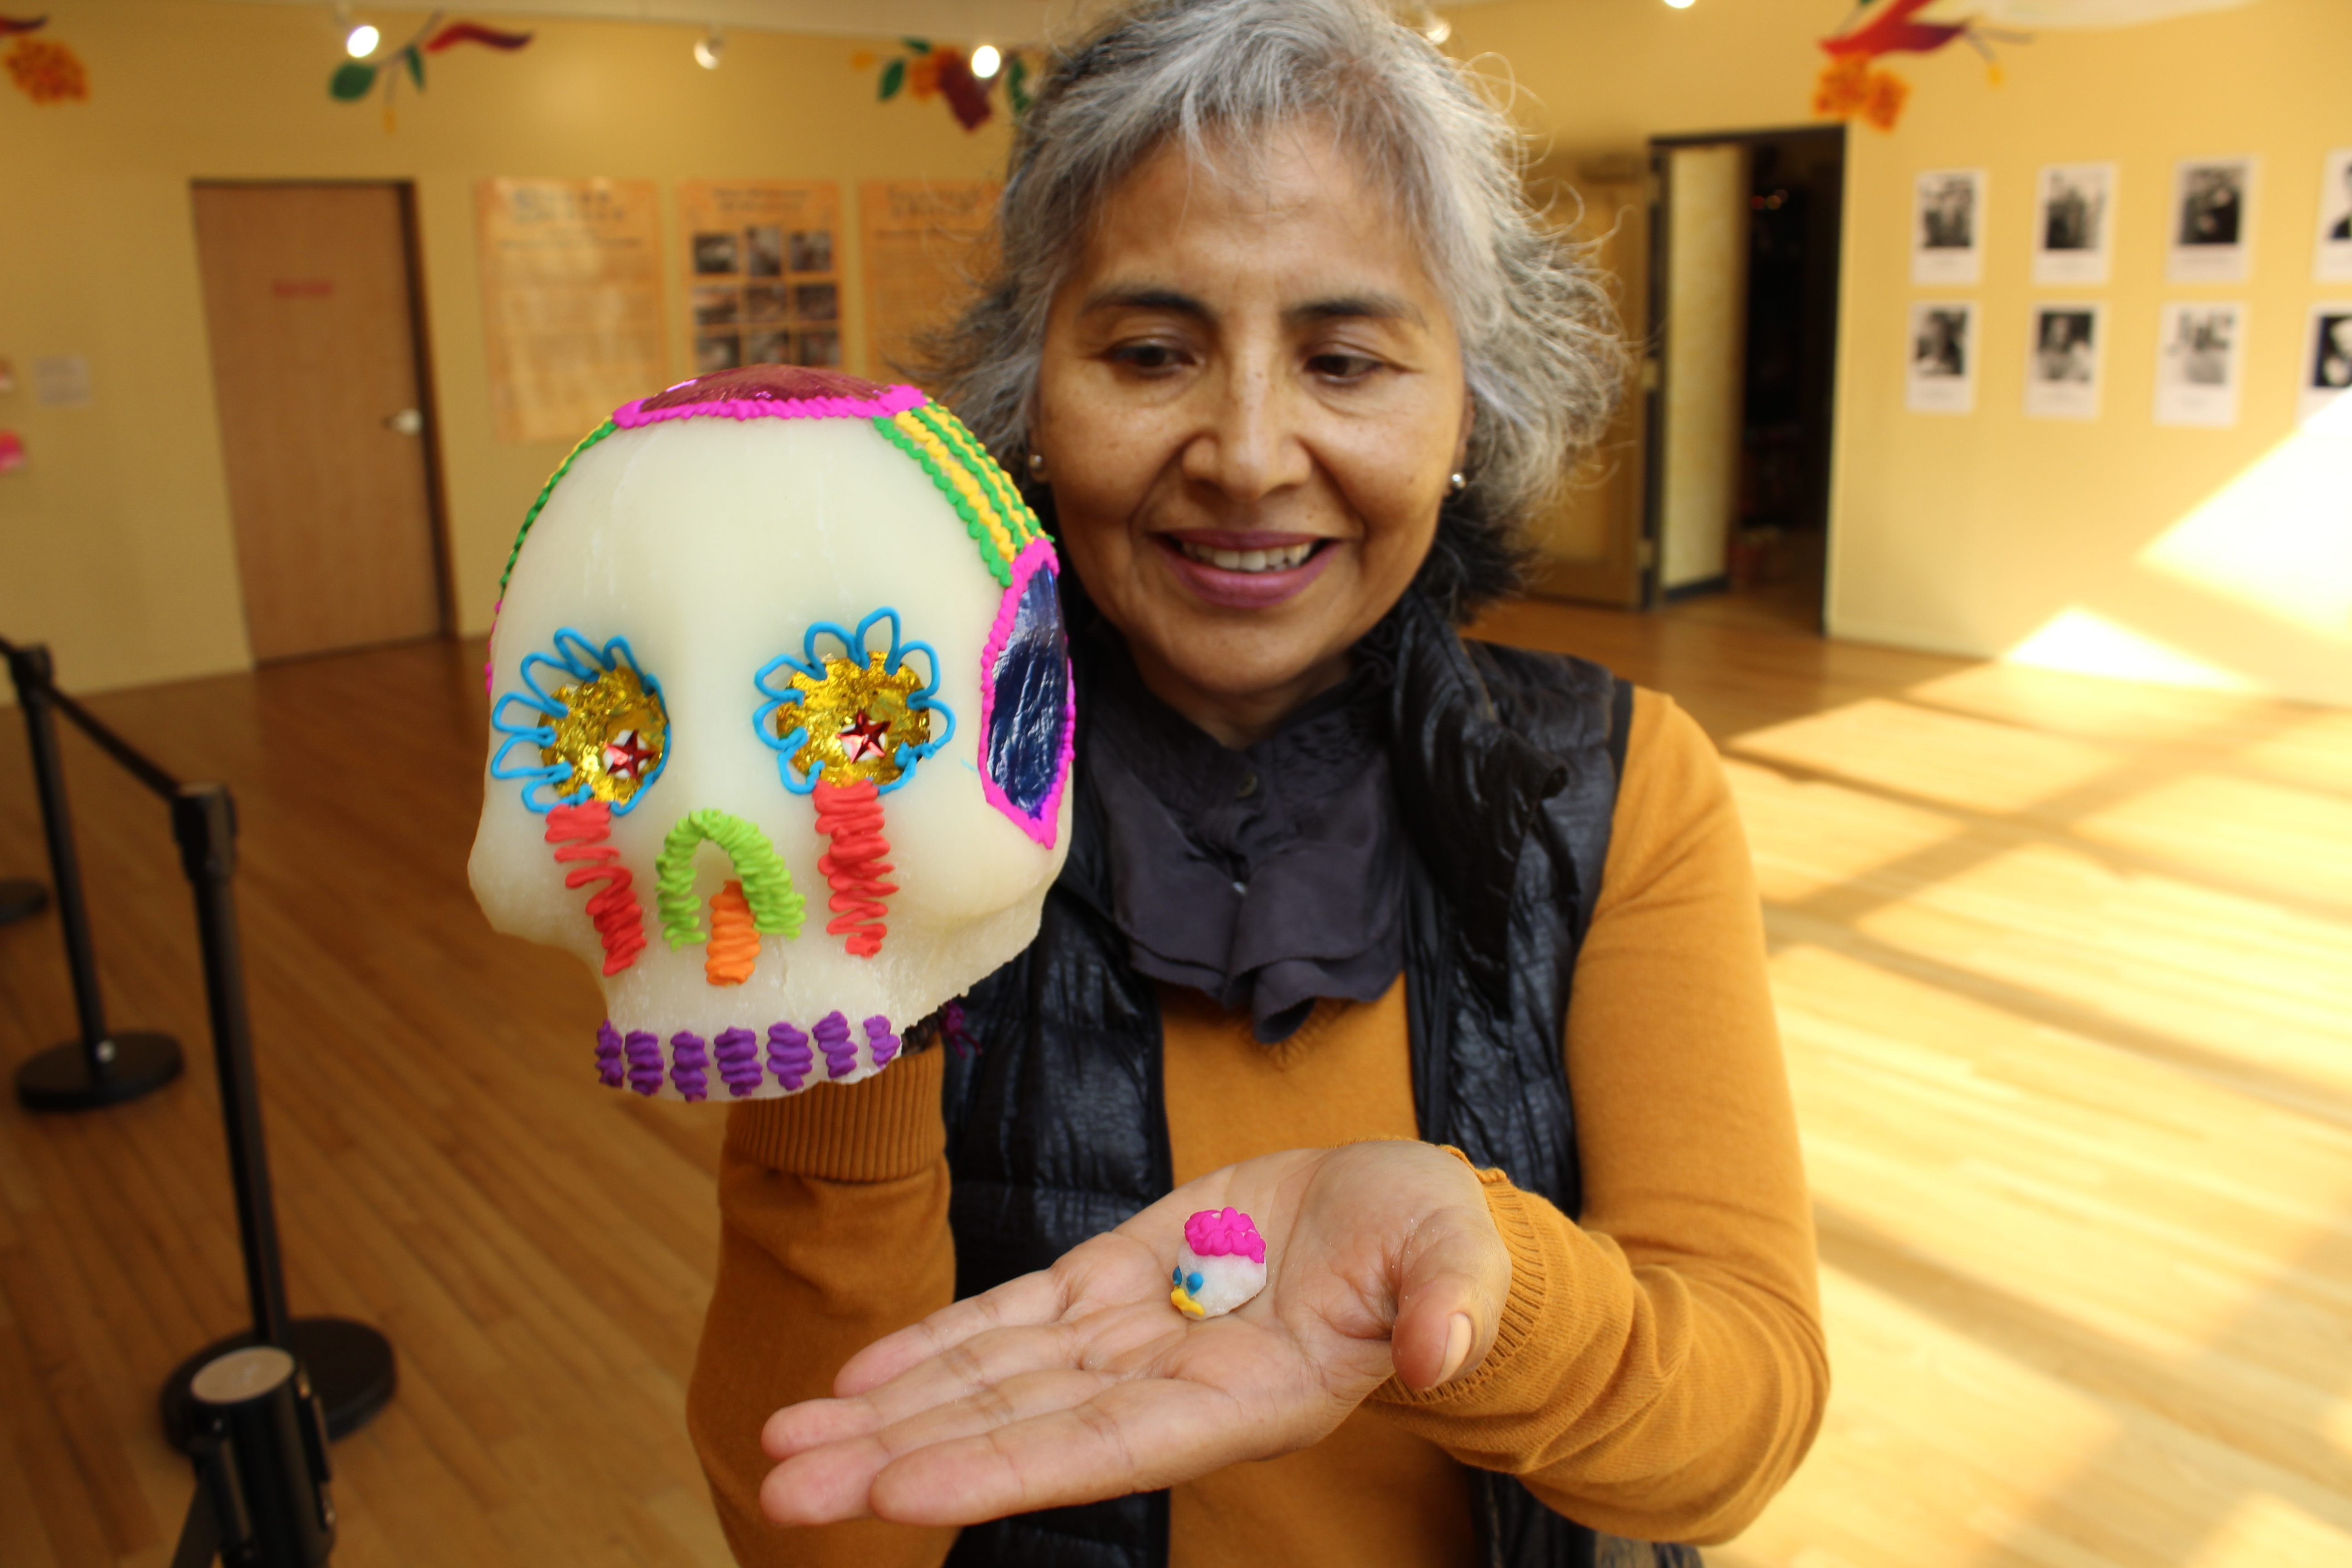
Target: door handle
x=407, y=422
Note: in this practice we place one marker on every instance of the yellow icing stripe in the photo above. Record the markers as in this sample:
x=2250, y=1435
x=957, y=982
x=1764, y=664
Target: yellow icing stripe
x=924, y=436
x=1009, y=504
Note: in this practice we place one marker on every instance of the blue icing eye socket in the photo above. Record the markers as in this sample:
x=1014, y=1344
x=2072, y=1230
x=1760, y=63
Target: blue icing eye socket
x=1024, y=746
x=1177, y=1278
x=1192, y=1282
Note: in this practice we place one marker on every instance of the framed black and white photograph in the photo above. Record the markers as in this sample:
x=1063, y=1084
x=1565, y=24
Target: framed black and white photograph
x=2212, y=221
x=1942, y=376
x=2332, y=261
x=2200, y=347
x=2327, y=357
x=717, y=253
x=2063, y=362
x=2074, y=223
x=1948, y=226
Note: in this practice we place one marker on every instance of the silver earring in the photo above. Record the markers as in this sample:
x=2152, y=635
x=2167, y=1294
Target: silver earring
x=1038, y=466
x=1455, y=483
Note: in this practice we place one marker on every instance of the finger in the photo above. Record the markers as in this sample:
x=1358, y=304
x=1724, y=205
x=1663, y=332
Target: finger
x=1037, y=1298
x=826, y=1485
x=1453, y=1279
x=1132, y=1437
x=816, y=1421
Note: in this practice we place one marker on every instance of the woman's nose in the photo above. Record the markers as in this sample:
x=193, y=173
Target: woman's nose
x=1250, y=444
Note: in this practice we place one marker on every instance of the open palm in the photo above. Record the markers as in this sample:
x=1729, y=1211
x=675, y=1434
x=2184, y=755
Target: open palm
x=1082, y=1382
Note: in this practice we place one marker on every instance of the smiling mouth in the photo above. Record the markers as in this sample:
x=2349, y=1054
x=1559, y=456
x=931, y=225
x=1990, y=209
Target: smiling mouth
x=1250, y=561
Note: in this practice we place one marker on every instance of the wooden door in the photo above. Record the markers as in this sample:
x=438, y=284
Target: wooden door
x=1705, y=355
x=1589, y=543
x=309, y=300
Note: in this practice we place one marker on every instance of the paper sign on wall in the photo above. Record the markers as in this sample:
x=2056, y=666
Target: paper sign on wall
x=763, y=265
x=921, y=241
x=572, y=301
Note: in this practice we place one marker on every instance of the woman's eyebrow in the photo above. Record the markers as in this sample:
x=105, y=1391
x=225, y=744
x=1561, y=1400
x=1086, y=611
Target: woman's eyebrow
x=1145, y=296
x=1357, y=306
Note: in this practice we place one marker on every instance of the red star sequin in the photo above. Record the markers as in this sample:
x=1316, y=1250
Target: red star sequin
x=627, y=755
x=864, y=739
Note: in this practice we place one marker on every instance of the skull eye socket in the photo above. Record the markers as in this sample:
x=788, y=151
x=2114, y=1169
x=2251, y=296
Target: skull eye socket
x=1026, y=712
x=857, y=713
x=590, y=726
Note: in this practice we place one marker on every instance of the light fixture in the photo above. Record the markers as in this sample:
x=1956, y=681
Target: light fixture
x=708, y=47
x=1680, y=4
x=985, y=60
x=360, y=41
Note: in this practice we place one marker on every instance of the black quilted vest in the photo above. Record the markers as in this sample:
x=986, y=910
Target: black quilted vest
x=1505, y=771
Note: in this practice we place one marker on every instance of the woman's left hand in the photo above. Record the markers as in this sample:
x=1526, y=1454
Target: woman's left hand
x=1083, y=1381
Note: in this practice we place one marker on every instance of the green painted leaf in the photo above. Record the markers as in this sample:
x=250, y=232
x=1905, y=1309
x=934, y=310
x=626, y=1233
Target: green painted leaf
x=415, y=65
x=351, y=79
x=1016, y=86
x=920, y=46
x=894, y=77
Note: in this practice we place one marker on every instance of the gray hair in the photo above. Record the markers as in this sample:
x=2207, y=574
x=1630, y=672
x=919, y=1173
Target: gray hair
x=1540, y=341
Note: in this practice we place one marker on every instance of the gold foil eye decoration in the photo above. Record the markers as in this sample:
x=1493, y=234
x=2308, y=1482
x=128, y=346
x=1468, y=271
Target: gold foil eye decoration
x=611, y=735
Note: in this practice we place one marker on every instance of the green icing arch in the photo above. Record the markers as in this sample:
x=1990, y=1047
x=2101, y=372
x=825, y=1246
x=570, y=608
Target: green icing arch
x=776, y=908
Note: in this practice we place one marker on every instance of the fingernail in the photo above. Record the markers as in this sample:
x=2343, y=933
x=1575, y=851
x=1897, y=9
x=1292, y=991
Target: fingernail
x=1457, y=1346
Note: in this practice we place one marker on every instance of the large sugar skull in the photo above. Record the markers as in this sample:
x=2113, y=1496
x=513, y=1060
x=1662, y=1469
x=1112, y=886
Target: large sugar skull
x=779, y=724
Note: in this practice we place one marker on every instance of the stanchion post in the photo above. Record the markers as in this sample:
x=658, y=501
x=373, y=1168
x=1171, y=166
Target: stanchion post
x=102, y=1068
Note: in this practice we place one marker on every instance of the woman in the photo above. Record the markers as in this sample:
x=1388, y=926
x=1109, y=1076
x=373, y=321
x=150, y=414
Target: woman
x=1349, y=907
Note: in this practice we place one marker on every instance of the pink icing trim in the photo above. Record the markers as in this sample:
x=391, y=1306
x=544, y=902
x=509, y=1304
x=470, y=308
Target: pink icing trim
x=1225, y=1233
x=1037, y=553
x=895, y=400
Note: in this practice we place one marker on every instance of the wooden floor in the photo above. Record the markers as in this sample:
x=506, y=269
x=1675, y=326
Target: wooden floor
x=2064, y=967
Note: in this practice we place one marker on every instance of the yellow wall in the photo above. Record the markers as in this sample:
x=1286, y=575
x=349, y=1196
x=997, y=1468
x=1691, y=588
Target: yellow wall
x=115, y=544
x=2216, y=556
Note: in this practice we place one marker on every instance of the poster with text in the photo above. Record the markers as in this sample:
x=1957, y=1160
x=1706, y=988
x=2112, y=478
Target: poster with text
x=2063, y=360
x=572, y=301
x=764, y=261
x=2332, y=261
x=2074, y=223
x=1948, y=226
x=2212, y=221
x=2327, y=357
x=2200, y=347
x=1942, y=377
x=922, y=240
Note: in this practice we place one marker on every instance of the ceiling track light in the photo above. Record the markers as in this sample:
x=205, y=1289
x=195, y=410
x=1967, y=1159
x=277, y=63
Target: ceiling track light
x=708, y=47
x=360, y=41
x=986, y=62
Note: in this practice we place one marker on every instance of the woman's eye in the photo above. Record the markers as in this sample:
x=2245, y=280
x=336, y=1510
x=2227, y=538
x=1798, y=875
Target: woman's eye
x=1339, y=366
x=1148, y=356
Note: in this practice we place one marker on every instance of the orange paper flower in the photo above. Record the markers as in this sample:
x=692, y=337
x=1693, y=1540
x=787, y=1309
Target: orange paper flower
x=1884, y=106
x=49, y=72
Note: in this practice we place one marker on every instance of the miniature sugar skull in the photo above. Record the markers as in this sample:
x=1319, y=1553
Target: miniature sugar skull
x=780, y=721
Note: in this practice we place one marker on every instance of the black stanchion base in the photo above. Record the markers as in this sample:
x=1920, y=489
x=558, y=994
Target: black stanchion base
x=59, y=1079
x=21, y=900
x=351, y=1367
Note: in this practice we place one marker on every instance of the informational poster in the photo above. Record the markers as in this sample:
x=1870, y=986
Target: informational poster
x=2212, y=221
x=2332, y=262
x=922, y=240
x=2063, y=362
x=572, y=301
x=2327, y=357
x=763, y=271
x=1943, y=371
x=2198, y=350
x=1948, y=224
x=2074, y=222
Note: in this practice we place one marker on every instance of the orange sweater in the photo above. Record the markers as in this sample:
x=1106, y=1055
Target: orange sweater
x=1659, y=1371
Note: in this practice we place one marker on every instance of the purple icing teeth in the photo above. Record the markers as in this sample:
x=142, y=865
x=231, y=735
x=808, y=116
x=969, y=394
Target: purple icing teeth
x=738, y=1050
x=832, y=1038
x=645, y=1061
x=608, y=1055
x=687, y=1059
x=885, y=1043
x=789, y=1056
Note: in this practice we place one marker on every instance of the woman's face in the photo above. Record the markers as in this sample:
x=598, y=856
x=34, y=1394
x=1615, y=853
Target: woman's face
x=1250, y=401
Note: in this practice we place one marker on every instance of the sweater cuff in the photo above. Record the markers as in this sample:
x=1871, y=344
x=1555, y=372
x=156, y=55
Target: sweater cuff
x=1537, y=1259
x=881, y=1128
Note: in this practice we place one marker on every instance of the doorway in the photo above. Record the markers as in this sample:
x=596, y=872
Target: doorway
x=320, y=375
x=1743, y=297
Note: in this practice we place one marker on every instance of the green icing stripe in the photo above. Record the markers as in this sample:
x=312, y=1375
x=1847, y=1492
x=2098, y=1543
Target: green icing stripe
x=990, y=557
x=546, y=490
x=1019, y=520
x=776, y=908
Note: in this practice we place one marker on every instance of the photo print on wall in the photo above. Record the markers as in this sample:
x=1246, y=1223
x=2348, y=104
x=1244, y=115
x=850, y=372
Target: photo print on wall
x=1942, y=377
x=1948, y=225
x=2074, y=223
x=2326, y=358
x=2332, y=262
x=2212, y=220
x=2063, y=362
x=2200, y=347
